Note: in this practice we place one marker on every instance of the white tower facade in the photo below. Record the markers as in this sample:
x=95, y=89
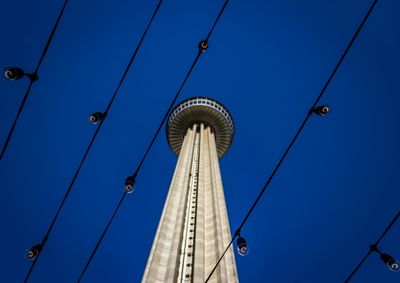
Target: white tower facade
x=194, y=228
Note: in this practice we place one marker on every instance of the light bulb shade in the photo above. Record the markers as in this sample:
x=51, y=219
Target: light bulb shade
x=203, y=45
x=242, y=247
x=14, y=73
x=393, y=264
x=322, y=110
x=129, y=184
x=95, y=117
x=33, y=252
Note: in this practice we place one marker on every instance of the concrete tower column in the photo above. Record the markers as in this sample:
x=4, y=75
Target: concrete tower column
x=194, y=228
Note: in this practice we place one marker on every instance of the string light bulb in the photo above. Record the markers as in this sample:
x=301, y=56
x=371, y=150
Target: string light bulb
x=34, y=251
x=322, y=110
x=391, y=262
x=203, y=45
x=130, y=184
x=14, y=73
x=96, y=117
x=242, y=247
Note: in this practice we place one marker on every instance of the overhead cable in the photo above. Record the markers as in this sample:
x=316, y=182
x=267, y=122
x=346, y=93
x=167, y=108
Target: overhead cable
x=373, y=248
x=202, y=47
x=101, y=121
x=307, y=116
x=32, y=78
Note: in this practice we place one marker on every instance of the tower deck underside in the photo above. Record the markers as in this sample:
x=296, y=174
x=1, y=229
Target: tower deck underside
x=194, y=228
x=201, y=110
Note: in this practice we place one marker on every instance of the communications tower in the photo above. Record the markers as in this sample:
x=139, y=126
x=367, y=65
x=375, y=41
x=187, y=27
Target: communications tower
x=194, y=229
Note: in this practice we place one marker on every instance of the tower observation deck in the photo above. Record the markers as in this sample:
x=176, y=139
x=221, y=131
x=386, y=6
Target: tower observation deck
x=201, y=110
x=194, y=228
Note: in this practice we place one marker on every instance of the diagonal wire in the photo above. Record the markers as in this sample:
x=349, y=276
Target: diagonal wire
x=137, y=170
x=101, y=237
x=388, y=228
x=167, y=112
x=94, y=137
x=357, y=267
x=307, y=117
x=217, y=19
x=32, y=80
x=152, y=141
x=221, y=257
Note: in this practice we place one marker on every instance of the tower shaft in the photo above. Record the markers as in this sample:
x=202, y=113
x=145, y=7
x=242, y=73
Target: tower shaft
x=194, y=228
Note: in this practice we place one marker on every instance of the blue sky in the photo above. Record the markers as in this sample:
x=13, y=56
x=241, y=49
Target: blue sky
x=267, y=61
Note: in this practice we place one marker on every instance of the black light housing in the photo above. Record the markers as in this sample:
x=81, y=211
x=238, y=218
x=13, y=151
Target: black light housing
x=34, y=251
x=242, y=247
x=322, y=110
x=203, y=45
x=96, y=117
x=392, y=263
x=130, y=184
x=14, y=73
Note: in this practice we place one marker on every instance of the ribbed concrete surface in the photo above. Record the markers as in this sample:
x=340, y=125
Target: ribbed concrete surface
x=194, y=228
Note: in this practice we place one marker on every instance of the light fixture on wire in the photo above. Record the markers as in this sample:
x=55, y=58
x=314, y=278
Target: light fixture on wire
x=242, y=246
x=130, y=183
x=390, y=261
x=203, y=45
x=33, y=252
x=393, y=264
x=96, y=117
x=16, y=73
x=321, y=110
